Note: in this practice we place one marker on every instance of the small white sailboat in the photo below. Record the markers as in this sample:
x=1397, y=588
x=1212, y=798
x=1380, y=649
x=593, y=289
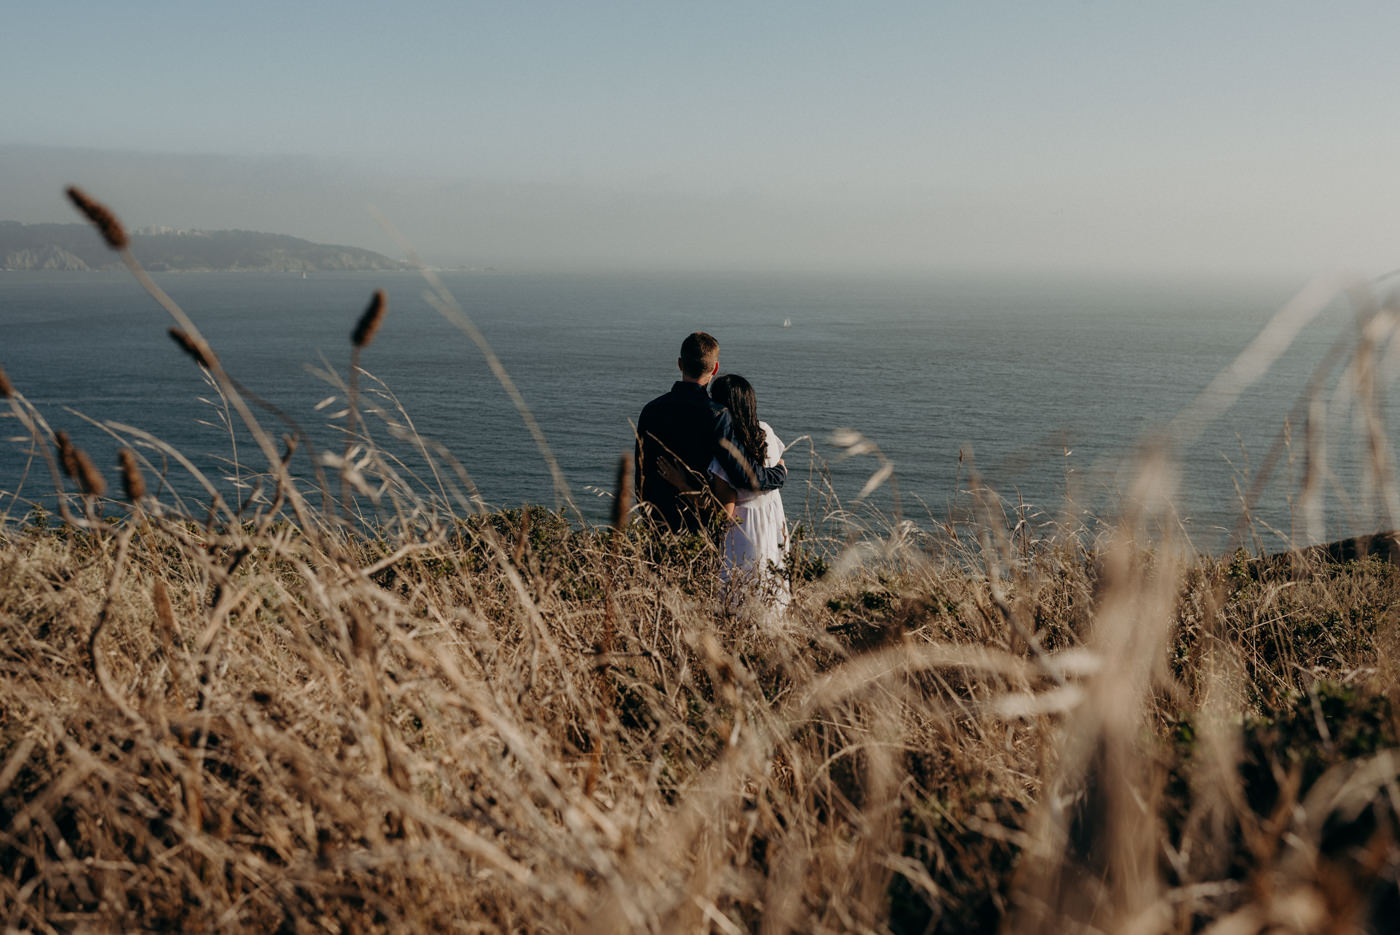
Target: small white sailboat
x=787, y=322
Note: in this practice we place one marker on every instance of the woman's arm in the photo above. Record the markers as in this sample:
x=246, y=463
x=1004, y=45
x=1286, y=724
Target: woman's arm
x=728, y=497
x=742, y=470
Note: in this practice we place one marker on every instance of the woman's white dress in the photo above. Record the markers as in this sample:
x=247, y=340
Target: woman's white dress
x=755, y=548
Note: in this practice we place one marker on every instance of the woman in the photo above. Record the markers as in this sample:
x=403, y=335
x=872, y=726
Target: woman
x=755, y=548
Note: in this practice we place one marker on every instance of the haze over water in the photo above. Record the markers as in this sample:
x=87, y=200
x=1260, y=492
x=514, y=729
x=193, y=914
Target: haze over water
x=1045, y=385
x=1094, y=137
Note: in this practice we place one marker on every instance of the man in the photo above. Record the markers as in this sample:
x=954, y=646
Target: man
x=690, y=429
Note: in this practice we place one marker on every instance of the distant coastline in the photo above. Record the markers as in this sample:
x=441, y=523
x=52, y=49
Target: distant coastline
x=77, y=248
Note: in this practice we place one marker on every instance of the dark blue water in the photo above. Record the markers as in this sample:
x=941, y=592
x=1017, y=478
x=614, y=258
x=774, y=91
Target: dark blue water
x=1045, y=386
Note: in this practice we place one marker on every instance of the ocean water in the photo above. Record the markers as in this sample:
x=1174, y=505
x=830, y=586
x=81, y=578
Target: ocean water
x=1046, y=387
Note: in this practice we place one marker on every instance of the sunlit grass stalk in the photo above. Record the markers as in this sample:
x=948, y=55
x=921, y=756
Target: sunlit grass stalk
x=115, y=236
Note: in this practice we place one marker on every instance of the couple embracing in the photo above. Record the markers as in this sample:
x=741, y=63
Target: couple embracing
x=702, y=444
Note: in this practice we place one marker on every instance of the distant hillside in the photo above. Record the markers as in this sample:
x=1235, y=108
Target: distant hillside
x=77, y=247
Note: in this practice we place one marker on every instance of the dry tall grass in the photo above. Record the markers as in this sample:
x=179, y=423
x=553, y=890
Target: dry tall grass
x=388, y=710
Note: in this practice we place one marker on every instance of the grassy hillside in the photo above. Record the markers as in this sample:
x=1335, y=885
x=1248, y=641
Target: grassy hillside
x=365, y=704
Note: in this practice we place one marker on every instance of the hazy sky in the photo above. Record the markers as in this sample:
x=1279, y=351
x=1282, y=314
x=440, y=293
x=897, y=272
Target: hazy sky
x=1176, y=136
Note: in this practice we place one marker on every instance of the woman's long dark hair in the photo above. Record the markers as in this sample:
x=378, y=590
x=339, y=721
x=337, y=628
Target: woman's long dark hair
x=735, y=393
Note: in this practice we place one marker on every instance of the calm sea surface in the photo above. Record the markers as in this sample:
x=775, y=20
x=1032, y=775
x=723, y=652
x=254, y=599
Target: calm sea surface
x=1046, y=386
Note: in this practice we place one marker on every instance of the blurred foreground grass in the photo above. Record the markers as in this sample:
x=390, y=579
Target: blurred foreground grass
x=526, y=726
x=349, y=698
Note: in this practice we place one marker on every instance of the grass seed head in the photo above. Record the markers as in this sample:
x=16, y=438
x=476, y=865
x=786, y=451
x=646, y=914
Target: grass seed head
x=622, y=503
x=132, y=481
x=369, y=321
x=78, y=466
x=165, y=615
x=101, y=217
x=67, y=453
x=191, y=347
x=6, y=388
x=89, y=479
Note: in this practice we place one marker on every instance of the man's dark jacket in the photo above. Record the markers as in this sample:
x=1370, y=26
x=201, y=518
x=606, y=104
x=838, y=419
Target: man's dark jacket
x=692, y=428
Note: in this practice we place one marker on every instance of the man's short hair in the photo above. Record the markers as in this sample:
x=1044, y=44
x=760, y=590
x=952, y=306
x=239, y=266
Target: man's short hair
x=699, y=352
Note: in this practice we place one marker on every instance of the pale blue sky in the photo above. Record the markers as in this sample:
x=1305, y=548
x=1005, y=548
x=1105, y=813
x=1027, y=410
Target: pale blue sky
x=1084, y=135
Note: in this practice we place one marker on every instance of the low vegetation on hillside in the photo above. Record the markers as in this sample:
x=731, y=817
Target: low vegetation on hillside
x=344, y=697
